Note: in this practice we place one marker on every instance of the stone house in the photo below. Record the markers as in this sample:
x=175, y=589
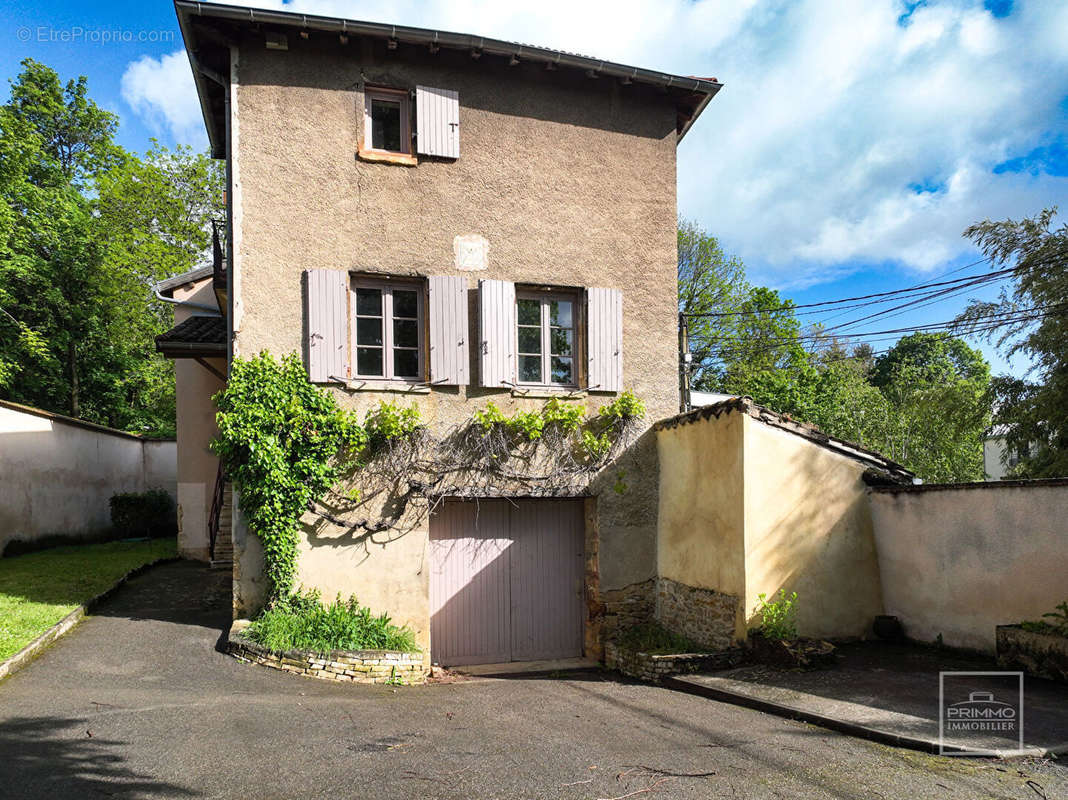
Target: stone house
x=445, y=220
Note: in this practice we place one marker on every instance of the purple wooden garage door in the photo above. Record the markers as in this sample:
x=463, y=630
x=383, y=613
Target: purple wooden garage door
x=506, y=581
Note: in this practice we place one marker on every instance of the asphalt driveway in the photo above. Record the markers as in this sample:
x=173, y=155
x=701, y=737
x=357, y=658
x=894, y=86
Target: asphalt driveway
x=138, y=702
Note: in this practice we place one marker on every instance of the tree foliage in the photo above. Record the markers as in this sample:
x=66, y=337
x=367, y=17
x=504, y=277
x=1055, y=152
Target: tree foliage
x=924, y=403
x=85, y=229
x=1033, y=410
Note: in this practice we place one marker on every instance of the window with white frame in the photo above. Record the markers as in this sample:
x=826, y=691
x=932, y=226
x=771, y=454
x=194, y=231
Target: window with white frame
x=545, y=338
x=387, y=121
x=388, y=338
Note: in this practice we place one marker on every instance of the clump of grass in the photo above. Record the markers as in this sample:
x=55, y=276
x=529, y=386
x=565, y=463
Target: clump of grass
x=302, y=622
x=650, y=637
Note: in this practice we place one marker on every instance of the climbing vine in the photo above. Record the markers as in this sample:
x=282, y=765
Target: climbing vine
x=282, y=442
x=288, y=447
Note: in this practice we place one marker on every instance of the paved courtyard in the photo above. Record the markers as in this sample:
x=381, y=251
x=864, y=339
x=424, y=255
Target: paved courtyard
x=138, y=702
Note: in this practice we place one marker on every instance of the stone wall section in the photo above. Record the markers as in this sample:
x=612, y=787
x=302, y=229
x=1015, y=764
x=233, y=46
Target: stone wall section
x=352, y=666
x=655, y=667
x=703, y=615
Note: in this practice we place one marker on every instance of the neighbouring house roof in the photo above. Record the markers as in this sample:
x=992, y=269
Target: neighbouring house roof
x=167, y=287
x=883, y=471
x=195, y=336
x=209, y=56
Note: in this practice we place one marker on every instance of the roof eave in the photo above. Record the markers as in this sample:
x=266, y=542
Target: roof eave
x=410, y=35
x=215, y=138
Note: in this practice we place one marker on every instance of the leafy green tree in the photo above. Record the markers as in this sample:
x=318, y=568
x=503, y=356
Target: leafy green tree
x=1030, y=319
x=711, y=285
x=85, y=229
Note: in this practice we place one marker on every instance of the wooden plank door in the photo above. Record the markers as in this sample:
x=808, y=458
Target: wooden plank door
x=470, y=605
x=546, y=579
x=506, y=581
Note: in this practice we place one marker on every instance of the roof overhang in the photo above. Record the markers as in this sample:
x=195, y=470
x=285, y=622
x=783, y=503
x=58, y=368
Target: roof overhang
x=210, y=71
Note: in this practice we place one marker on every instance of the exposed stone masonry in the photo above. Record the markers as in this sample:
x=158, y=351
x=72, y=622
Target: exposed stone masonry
x=354, y=666
x=703, y=615
x=654, y=668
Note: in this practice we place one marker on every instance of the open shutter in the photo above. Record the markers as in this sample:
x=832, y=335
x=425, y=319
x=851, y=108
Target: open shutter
x=448, y=330
x=604, y=348
x=437, y=122
x=326, y=308
x=496, y=325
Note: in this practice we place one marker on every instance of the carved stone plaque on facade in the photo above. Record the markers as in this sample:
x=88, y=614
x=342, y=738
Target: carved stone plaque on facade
x=472, y=252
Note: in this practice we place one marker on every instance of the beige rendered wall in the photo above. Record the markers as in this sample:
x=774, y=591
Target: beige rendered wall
x=195, y=413
x=701, y=519
x=57, y=476
x=571, y=181
x=960, y=561
x=808, y=529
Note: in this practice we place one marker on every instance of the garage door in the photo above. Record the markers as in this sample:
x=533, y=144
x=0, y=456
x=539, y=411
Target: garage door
x=506, y=581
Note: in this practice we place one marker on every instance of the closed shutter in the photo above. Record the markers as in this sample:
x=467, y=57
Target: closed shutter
x=496, y=325
x=448, y=330
x=604, y=341
x=326, y=309
x=437, y=122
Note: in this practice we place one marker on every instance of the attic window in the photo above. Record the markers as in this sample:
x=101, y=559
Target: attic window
x=387, y=123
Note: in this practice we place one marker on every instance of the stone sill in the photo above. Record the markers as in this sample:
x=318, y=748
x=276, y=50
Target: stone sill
x=375, y=156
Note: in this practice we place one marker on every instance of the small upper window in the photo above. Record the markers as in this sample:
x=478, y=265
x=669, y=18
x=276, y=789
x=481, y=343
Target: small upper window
x=546, y=339
x=389, y=331
x=387, y=127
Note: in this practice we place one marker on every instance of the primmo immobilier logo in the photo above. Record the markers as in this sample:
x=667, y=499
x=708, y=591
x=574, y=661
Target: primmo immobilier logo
x=981, y=713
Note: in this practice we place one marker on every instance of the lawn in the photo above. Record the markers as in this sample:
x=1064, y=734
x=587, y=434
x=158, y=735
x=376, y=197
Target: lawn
x=38, y=589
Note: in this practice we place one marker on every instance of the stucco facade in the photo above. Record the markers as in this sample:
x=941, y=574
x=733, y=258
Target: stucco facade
x=59, y=473
x=749, y=508
x=195, y=385
x=570, y=181
x=957, y=561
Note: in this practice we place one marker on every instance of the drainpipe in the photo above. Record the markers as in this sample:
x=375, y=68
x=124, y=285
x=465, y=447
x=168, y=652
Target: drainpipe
x=187, y=304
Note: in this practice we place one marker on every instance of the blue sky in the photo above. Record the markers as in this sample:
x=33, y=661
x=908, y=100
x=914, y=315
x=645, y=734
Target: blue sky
x=852, y=144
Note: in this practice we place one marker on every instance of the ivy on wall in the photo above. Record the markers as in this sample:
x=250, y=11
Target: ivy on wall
x=286, y=444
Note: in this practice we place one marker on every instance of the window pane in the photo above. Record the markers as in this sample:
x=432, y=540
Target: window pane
x=369, y=360
x=560, y=313
x=530, y=340
x=560, y=341
x=405, y=303
x=386, y=125
x=369, y=330
x=405, y=363
x=530, y=369
x=405, y=333
x=561, y=369
x=529, y=312
x=369, y=302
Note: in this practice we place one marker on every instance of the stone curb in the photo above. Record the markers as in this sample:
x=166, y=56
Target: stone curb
x=923, y=744
x=344, y=666
x=64, y=626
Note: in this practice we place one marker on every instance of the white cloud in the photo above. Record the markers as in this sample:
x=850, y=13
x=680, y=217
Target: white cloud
x=161, y=91
x=831, y=111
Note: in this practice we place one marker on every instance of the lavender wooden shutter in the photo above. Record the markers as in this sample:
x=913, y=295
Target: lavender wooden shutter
x=448, y=330
x=326, y=307
x=496, y=325
x=604, y=340
x=437, y=122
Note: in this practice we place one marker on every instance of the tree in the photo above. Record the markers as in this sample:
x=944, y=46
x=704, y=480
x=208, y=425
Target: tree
x=85, y=229
x=1031, y=319
x=711, y=285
